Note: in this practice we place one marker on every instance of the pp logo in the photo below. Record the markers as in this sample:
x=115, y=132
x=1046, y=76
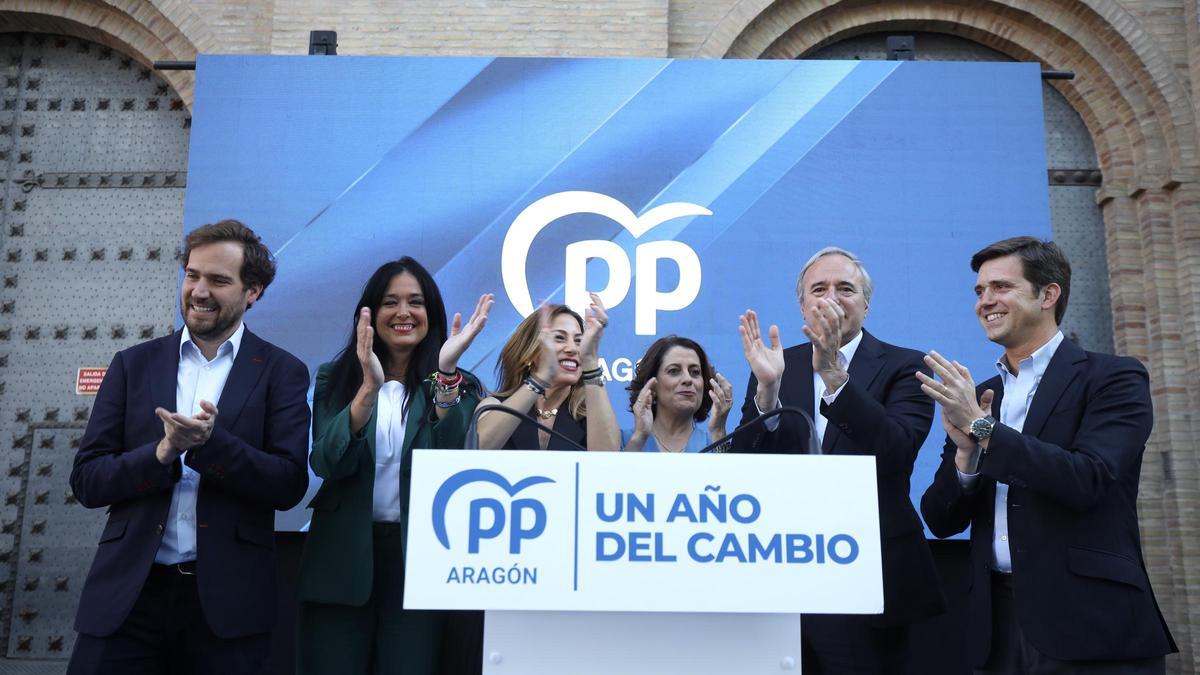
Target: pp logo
x=526, y=518
x=648, y=299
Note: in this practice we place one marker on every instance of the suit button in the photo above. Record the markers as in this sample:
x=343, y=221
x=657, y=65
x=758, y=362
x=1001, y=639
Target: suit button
x=159, y=528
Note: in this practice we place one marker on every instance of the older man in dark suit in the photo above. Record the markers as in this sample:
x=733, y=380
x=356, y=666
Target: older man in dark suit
x=864, y=400
x=194, y=441
x=1042, y=462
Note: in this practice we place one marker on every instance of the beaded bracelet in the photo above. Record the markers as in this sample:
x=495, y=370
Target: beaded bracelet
x=441, y=386
x=535, y=385
x=448, y=404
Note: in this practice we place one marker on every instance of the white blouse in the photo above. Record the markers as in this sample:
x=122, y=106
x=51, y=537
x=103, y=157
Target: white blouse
x=389, y=447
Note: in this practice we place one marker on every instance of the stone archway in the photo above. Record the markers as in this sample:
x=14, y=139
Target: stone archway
x=1141, y=116
x=147, y=30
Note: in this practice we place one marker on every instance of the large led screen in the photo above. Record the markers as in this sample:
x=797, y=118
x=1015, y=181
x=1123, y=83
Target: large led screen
x=684, y=191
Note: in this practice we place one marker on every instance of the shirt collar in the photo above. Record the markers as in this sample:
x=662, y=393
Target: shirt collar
x=1037, y=362
x=850, y=348
x=230, y=346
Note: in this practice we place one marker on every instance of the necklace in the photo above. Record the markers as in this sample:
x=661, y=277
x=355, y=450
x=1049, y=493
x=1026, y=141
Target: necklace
x=545, y=414
x=666, y=448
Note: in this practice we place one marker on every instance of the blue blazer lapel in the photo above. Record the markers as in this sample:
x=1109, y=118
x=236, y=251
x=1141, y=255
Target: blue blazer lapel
x=164, y=376
x=248, y=367
x=1063, y=369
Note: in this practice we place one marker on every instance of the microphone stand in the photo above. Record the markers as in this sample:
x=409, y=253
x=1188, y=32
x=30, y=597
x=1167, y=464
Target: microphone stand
x=472, y=441
x=814, y=444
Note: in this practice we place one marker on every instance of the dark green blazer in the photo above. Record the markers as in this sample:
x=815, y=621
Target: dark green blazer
x=336, y=566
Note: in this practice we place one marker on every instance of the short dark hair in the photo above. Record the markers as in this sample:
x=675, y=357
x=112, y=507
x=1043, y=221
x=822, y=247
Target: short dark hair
x=651, y=361
x=1043, y=263
x=258, y=265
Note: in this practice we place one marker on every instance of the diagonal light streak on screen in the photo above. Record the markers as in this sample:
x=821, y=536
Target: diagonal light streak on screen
x=382, y=158
x=772, y=138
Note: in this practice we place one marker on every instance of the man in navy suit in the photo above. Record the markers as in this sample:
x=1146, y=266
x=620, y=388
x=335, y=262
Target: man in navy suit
x=195, y=440
x=1042, y=462
x=864, y=400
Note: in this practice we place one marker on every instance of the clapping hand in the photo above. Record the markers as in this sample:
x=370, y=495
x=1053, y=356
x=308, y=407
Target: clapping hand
x=547, y=365
x=372, y=368
x=181, y=432
x=956, y=394
x=462, y=336
x=643, y=410
x=721, y=393
x=823, y=328
x=595, y=321
x=765, y=362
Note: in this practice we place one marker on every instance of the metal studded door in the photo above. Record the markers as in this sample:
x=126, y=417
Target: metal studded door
x=93, y=155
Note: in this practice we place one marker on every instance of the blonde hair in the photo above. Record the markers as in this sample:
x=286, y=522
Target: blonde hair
x=522, y=350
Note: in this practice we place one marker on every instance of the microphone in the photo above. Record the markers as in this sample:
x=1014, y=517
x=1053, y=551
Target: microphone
x=814, y=443
x=472, y=441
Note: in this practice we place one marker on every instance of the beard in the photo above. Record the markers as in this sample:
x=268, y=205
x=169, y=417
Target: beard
x=211, y=325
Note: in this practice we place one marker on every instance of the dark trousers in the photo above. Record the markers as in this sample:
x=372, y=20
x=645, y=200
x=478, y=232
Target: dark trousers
x=463, y=651
x=844, y=644
x=1012, y=654
x=378, y=637
x=166, y=634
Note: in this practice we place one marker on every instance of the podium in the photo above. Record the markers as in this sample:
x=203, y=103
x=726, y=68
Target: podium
x=642, y=562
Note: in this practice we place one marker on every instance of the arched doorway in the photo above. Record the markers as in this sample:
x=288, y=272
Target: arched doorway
x=1073, y=174
x=93, y=149
x=1138, y=109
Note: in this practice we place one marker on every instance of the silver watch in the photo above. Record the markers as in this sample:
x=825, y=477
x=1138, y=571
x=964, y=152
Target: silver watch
x=982, y=428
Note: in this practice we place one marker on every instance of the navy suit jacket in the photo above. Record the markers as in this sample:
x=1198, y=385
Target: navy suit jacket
x=1080, y=584
x=253, y=464
x=880, y=412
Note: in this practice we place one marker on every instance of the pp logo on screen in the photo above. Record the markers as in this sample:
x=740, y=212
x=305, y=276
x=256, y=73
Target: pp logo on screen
x=648, y=299
x=524, y=518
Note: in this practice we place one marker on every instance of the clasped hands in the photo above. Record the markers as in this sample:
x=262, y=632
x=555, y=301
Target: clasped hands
x=181, y=432
x=956, y=393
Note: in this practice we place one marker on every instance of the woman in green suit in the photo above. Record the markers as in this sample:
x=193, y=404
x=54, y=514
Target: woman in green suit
x=394, y=387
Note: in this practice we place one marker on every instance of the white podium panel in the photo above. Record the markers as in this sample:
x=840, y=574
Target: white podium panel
x=643, y=532
x=640, y=643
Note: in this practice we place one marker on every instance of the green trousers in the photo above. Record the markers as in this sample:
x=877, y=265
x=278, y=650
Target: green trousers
x=380, y=637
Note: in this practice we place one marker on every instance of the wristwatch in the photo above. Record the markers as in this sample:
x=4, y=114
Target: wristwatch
x=982, y=427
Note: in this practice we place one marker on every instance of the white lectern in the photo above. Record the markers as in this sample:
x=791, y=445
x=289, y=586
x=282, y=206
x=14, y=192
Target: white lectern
x=642, y=562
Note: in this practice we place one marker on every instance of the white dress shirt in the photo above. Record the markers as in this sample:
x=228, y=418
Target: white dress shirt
x=198, y=379
x=1019, y=390
x=389, y=448
x=845, y=356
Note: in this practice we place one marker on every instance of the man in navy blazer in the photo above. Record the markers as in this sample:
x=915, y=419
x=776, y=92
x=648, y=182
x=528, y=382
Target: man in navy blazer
x=194, y=441
x=1042, y=462
x=870, y=404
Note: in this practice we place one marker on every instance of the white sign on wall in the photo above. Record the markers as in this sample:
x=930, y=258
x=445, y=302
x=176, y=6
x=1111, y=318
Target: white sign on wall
x=536, y=530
